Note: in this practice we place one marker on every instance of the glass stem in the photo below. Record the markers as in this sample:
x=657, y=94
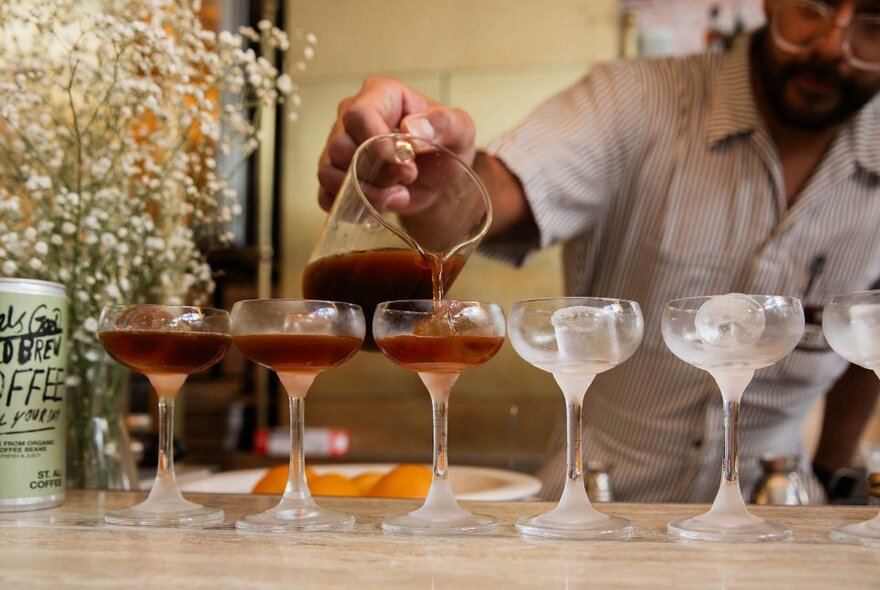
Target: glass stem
x=297, y=488
x=574, y=494
x=730, y=457
x=440, y=496
x=729, y=505
x=165, y=487
x=574, y=462
x=166, y=438
x=441, y=438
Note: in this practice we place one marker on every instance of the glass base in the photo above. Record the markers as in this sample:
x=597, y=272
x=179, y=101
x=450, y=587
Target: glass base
x=862, y=533
x=421, y=523
x=166, y=514
x=728, y=521
x=696, y=529
x=601, y=527
x=440, y=515
x=287, y=518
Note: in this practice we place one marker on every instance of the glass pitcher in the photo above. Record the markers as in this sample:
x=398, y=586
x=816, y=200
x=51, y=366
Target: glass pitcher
x=406, y=218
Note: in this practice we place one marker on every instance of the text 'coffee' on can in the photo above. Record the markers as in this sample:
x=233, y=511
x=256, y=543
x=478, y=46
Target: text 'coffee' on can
x=33, y=417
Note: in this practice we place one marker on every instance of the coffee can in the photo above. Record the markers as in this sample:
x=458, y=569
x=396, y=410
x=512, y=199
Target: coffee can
x=33, y=416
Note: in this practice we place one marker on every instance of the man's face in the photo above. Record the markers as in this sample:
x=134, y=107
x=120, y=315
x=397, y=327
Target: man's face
x=818, y=88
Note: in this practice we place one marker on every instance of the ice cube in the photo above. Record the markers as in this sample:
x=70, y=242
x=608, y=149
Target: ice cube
x=865, y=318
x=867, y=314
x=730, y=321
x=436, y=324
x=452, y=317
x=583, y=332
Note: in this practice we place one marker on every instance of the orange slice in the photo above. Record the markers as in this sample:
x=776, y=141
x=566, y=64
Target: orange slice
x=404, y=481
x=276, y=479
x=333, y=484
x=366, y=481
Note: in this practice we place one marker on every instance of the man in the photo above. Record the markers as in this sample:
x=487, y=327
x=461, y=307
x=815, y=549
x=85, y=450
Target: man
x=755, y=171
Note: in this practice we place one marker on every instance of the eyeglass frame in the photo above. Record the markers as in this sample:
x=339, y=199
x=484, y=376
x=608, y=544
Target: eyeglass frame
x=844, y=23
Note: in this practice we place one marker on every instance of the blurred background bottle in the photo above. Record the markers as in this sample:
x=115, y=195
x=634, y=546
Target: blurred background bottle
x=780, y=484
x=715, y=38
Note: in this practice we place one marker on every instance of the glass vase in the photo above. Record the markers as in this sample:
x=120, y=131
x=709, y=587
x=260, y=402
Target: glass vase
x=99, y=455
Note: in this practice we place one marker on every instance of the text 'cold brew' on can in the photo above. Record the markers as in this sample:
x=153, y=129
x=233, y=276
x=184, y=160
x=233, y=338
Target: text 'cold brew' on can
x=33, y=425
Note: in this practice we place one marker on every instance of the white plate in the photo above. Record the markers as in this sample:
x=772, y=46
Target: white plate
x=469, y=483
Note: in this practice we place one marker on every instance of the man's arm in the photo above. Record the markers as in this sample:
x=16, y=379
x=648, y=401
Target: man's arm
x=509, y=205
x=848, y=406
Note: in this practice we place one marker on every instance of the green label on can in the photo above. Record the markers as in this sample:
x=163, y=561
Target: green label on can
x=33, y=361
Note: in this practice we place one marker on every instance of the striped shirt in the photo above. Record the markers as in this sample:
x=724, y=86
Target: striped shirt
x=662, y=181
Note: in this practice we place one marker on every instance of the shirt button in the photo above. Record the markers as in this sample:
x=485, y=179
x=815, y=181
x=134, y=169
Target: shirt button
x=698, y=443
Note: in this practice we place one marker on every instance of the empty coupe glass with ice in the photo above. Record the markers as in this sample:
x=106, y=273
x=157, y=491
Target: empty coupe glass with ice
x=731, y=336
x=575, y=339
x=439, y=340
x=297, y=338
x=851, y=324
x=166, y=343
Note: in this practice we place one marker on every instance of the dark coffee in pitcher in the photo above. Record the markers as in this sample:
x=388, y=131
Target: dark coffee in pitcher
x=367, y=278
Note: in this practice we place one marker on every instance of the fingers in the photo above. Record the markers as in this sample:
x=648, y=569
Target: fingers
x=392, y=198
x=451, y=128
x=381, y=106
x=376, y=109
x=329, y=180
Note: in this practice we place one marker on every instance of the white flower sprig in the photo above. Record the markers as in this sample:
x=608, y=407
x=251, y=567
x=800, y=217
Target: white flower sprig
x=113, y=116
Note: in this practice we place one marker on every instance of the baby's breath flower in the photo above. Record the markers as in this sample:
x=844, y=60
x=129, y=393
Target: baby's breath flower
x=110, y=128
x=284, y=84
x=90, y=325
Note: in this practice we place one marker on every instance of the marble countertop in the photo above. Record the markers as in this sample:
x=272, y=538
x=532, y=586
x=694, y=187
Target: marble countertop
x=71, y=547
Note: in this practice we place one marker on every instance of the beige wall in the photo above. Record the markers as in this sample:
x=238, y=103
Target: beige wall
x=495, y=58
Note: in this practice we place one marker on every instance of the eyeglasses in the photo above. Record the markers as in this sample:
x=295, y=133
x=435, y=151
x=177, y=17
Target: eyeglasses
x=798, y=26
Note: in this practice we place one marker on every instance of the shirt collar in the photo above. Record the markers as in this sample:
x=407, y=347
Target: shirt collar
x=732, y=108
x=864, y=132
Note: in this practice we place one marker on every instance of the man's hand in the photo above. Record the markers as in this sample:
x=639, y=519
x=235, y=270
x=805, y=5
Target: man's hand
x=384, y=105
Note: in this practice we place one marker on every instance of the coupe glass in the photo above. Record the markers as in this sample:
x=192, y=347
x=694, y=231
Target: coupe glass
x=165, y=343
x=852, y=327
x=731, y=336
x=439, y=340
x=575, y=339
x=297, y=339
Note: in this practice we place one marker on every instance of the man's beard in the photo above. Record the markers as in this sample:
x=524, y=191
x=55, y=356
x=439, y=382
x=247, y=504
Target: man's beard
x=851, y=96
